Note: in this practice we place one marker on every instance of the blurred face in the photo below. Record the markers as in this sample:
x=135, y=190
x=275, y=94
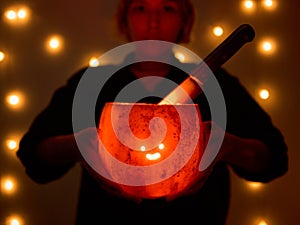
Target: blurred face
x=154, y=20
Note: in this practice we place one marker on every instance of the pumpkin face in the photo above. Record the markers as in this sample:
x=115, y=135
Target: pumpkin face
x=154, y=150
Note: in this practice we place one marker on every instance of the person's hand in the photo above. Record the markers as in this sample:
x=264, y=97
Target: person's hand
x=210, y=131
x=88, y=140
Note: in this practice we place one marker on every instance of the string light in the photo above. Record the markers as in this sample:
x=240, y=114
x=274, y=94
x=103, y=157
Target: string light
x=22, y=13
x=17, y=15
x=248, y=6
x=267, y=46
x=254, y=185
x=261, y=221
x=15, y=100
x=180, y=56
x=2, y=56
x=14, y=220
x=11, y=144
x=8, y=185
x=264, y=94
x=54, y=43
x=218, y=31
x=11, y=15
x=269, y=4
x=94, y=62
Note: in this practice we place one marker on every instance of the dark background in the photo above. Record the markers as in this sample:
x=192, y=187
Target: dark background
x=88, y=29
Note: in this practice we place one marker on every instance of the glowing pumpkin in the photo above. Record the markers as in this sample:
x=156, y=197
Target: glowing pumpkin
x=155, y=149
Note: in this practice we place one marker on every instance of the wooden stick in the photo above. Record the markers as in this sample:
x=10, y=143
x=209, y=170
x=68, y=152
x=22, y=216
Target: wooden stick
x=192, y=85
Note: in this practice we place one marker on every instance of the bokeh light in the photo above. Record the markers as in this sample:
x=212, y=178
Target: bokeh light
x=267, y=46
x=255, y=186
x=264, y=94
x=269, y=4
x=14, y=220
x=11, y=144
x=261, y=221
x=218, y=31
x=15, y=100
x=94, y=62
x=180, y=56
x=17, y=14
x=2, y=56
x=8, y=185
x=248, y=6
x=54, y=43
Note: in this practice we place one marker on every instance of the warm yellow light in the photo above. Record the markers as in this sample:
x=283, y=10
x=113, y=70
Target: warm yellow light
x=22, y=13
x=180, y=56
x=94, y=62
x=8, y=185
x=218, y=31
x=15, y=99
x=269, y=4
x=14, y=220
x=54, y=43
x=154, y=156
x=267, y=46
x=254, y=185
x=161, y=146
x=264, y=94
x=2, y=56
x=11, y=14
x=248, y=4
x=11, y=144
x=262, y=222
x=18, y=14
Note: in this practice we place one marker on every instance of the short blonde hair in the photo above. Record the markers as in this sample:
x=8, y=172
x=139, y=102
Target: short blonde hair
x=188, y=16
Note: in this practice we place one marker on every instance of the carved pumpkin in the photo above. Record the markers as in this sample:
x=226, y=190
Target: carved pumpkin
x=154, y=150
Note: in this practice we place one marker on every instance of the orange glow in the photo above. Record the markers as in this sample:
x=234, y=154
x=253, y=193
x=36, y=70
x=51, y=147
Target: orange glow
x=139, y=119
x=94, y=62
x=161, y=146
x=11, y=144
x=267, y=46
x=17, y=15
x=269, y=4
x=248, y=6
x=153, y=156
x=15, y=100
x=264, y=94
x=2, y=56
x=261, y=221
x=180, y=56
x=254, y=185
x=8, y=185
x=218, y=31
x=14, y=220
x=54, y=44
